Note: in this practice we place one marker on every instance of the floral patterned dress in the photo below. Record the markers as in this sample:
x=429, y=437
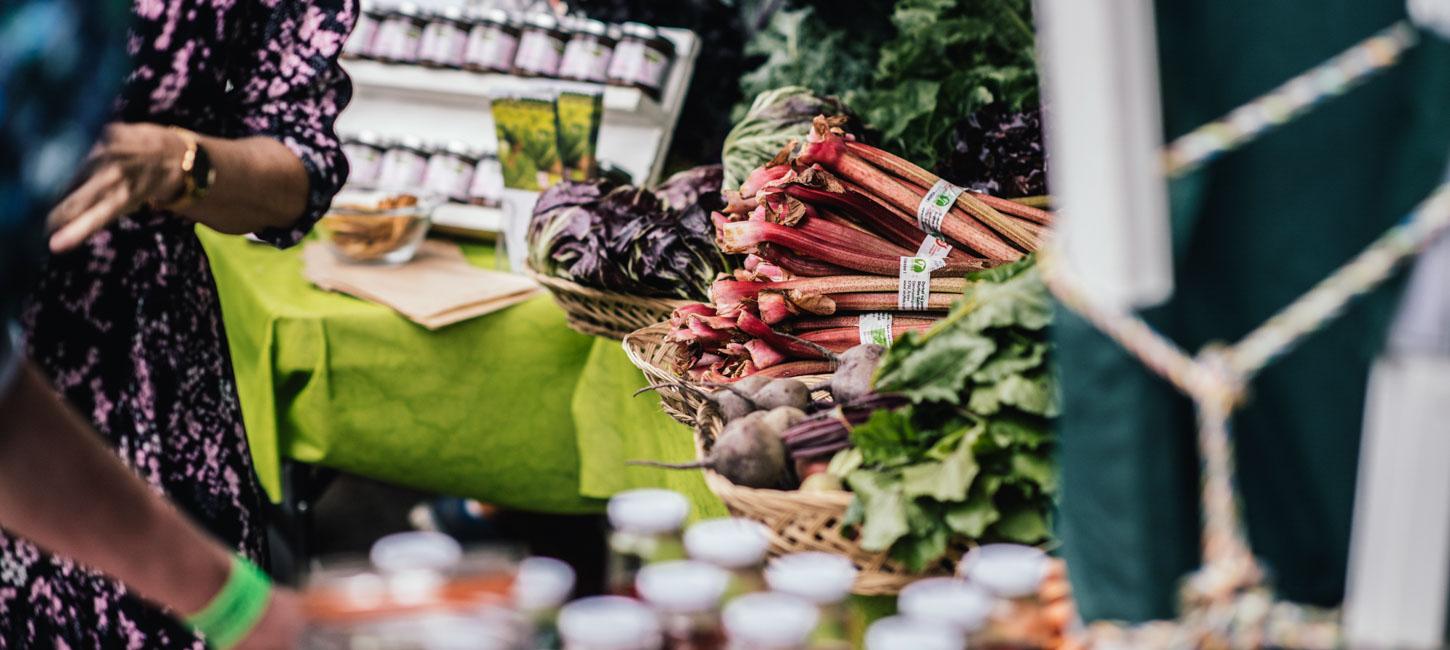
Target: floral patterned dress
x=129, y=327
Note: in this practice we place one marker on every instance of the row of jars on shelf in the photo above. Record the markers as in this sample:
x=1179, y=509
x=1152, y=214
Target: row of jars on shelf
x=535, y=45
x=462, y=173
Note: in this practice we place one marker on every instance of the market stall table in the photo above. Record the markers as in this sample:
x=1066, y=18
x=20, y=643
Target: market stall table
x=512, y=408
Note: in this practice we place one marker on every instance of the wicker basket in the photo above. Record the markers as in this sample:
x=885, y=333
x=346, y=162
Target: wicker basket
x=603, y=313
x=650, y=350
x=810, y=521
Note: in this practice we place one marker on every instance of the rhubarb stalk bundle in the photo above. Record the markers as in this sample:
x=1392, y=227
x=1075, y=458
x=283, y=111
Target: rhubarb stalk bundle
x=824, y=234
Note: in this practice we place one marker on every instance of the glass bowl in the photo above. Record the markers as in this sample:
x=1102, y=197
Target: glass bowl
x=377, y=226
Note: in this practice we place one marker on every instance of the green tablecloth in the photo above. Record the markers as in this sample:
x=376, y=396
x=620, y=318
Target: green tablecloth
x=512, y=408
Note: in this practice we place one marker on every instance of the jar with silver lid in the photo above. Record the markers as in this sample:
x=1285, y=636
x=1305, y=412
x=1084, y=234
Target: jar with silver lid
x=586, y=57
x=541, y=47
x=450, y=171
x=493, y=41
x=642, y=59
x=399, y=35
x=364, y=154
x=487, y=186
x=404, y=164
x=444, y=39
x=360, y=43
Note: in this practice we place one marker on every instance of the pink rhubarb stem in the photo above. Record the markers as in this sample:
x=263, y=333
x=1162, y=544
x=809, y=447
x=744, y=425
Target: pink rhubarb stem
x=797, y=264
x=840, y=339
x=965, y=232
x=798, y=369
x=854, y=321
x=887, y=301
x=972, y=202
x=747, y=236
x=874, y=215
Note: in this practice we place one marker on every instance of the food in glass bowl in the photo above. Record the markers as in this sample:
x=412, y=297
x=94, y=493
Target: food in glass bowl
x=376, y=227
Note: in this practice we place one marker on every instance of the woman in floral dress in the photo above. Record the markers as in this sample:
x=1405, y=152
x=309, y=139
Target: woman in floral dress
x=126, y=320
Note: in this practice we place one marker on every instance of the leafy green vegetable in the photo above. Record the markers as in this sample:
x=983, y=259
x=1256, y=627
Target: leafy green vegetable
x=801, y=48
x=972, y=454
x=948, y=59
x=628, y=239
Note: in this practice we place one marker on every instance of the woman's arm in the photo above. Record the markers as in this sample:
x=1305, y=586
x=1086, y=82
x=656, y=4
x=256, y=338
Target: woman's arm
x=275, y=180
x=259, y=184
x=62, y=489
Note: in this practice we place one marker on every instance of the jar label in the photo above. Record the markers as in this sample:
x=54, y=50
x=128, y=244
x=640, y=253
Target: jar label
x=638, y=64
x=402, y=168
x=397, y=40
x=621, y=68
x=361, y=41
x=443, y=44
x=539, y=53
x=587, y=60
x=448, y=175
x=487, y=186
x=363, y=163
x=491, y=48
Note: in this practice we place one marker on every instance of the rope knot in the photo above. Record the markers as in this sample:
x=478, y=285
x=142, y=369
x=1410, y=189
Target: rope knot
x=1218, y=385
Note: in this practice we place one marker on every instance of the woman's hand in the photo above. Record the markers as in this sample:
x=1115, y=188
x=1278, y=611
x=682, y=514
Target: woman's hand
x=130, y=165
x=281, y=625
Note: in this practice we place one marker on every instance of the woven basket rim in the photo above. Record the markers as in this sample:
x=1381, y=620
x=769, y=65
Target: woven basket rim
x=555, y=282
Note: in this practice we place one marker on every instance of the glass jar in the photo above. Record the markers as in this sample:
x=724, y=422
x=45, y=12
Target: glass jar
x=687, y=595
x=364, y=154
x=824, y=580
x=450, y=171
x=399, y=34
x=906, y=633
x=541, y=47
x=642, y=59
x=770, y=621
x=420, y=591
x=646, y=525
x=487, y=186
x=949, y=601
x=493, y=41
x=609, y=623
x=444, y=39
x=1013, y=573
x=587, y=56
x=404, y=164
x=541, y=587
x=360, y=43
x=734, y=544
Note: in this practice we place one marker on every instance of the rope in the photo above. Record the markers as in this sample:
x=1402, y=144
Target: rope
x=1224, y=602
x=1290, y=100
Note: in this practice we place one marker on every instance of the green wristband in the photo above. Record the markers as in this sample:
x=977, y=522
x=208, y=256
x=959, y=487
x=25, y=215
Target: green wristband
x=235, y=610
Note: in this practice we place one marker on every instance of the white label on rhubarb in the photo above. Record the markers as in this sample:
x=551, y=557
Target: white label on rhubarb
x=875, y=327
x=913, y=288
x=935, y=206
x=934, y=247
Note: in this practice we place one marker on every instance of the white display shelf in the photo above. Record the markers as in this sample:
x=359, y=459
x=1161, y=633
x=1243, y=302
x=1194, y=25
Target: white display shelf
x=619, y=103
x=452, y=105
x=468, y=220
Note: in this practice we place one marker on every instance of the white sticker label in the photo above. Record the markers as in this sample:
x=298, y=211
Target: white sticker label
x=935, y=206
x=875, y=327
x=934, y=247
x=914, y=282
